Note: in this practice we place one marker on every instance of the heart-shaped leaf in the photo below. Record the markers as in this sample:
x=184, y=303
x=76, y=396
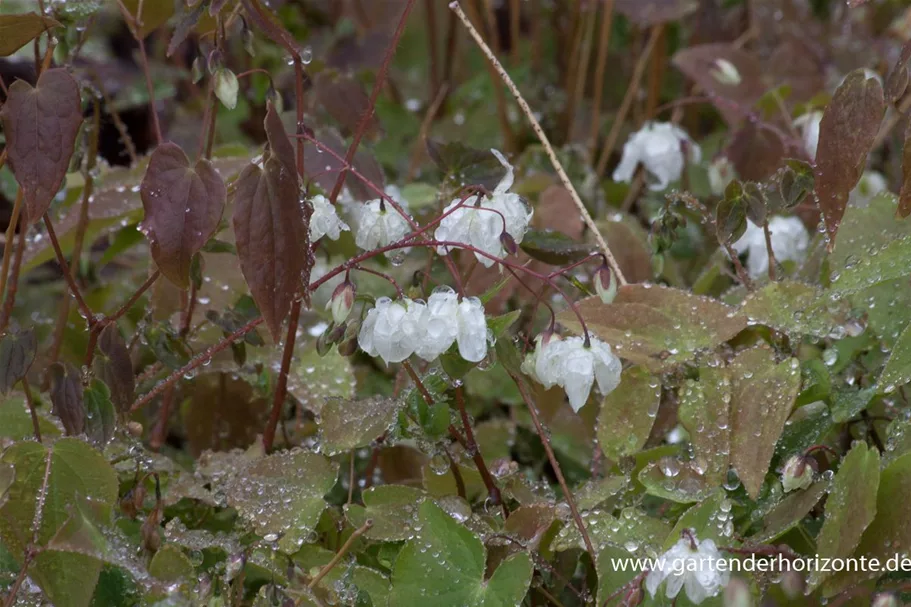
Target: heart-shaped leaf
x=113, y=366
x=67, y=398
x=272, y=236
x=17, y=353
x=18, y=30
x=846, y=134
x=40, y=124
x=183, y=206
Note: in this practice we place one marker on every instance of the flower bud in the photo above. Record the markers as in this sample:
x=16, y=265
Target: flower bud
x=725, y=72
x=509, y=243
x=226, y=88
x=885, y=599
x=737, y=594
x=342, y=301
x=721, y=174
x=797, y=473
x=792, y=584
x=605, y=284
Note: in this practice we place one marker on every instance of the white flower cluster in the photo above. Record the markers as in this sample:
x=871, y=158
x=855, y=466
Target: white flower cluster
x=394, y=330
x=690, y=564
x=482, y=224
x=573, y=366
x=659, y=147
x=790, y=240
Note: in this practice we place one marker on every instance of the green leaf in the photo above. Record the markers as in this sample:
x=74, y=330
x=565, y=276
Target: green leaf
x=466, y=165
x=77, y=473
x=100, y=417
x=554, y=248
x=632, y=529
x=796, y=309
x=657, y=326
x=762, y=398
x=851, y=506
x=877, y=265
x=705, y=412
x=627, y=413
x=498, y=325
x=849, y=402
x=16, y=421
x=890, y=530
x=897, y=371
x=347, y=424
x=444, y=566
x=18, y=30
x=282, y=494
x=170, y=564
x=393, y=510
x=708, y=520
x=788, y=513
x=314, y=378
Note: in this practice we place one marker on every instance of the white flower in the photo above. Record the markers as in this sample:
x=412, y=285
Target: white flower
x=870, y=184
x=808, y=126
x=689, y=564
x=568, y=363
x=439, y=325
x=324, y=221
x=659, y=147
x=472, y=337
x=379, y=224
x=790, y=240
x=721, y=173
x=480, y=224
x=391, y=329
x=394, y=330
x=445, y=320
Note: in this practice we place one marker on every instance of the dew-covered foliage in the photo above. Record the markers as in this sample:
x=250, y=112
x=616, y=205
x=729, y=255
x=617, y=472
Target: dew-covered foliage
x=385, y=303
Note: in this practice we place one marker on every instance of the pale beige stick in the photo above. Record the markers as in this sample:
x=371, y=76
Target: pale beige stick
x=544, y=141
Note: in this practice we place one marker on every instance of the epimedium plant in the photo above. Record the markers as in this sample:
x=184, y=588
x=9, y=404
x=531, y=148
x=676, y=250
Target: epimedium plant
x=242, y=368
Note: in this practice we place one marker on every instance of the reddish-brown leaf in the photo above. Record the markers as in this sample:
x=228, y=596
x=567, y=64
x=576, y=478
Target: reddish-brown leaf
x=897, y=81
x=17, y=353
x=270, y=229
x=345, y=100
x=645, y=13
x=67, y=397
x=705, y=65
x=756, y=152
x=113, y=366
x=264, y=20
x=18, y=30
x=846, y=134
x=183, y=206
x=41, y=125
x=323, y=168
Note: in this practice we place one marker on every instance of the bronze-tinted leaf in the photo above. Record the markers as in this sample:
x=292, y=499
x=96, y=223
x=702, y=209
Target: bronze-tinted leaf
x=264, y=20
x=897, y=81
x=344, y=99
x=18, y=30
x=755, y=152
x=41, y=125
x=762, y=396
x=627, y=413
x=645, y=13
x=66, y=397
x=272, y=238
x=726, y=73
x=183, y=206
x=323, y=168
x=100, y=416
x=188, y=20
x=904, y=195
x=17, y=353
x=224, y=412
x=846, y=134
x=657, y=326
x=113, y=366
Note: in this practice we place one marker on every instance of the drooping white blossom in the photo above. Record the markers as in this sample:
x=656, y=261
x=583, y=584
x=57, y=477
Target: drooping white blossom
x=808, y=127
x=796, y=474
x=378, y=224
x=391, y=329
x=480, y=223
x=790, y=240
x=325, y=221
x=690, y=564
x=721, y=174
x=660, y=148
x=472, y=336
x=871, y=183
x=439, y=325
x=394, y=330
x=575, y=367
